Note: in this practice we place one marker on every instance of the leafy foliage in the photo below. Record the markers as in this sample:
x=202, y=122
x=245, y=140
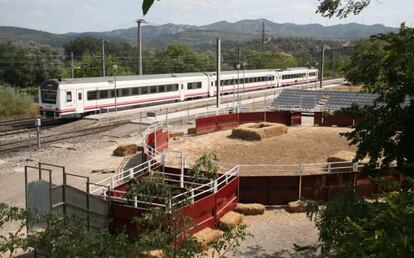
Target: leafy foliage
x=341, y=8
x=27, y=64
x=352, y=227
x=365, y=62
x=206, y=167
x=388, y=128
x=13, y=240
x=14, y=104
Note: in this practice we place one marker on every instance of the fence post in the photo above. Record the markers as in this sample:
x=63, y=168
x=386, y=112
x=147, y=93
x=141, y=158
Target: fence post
x=270, y=170
x=135, y=201
x=329, y=168
x=215, y=186
x=192, y=196
x=300, y=180
x=182, y=170
x=355, y=166
x=112, y=182
x=131, y=173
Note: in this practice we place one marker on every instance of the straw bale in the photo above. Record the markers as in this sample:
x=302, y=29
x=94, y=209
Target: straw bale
x=175, y=134
x=230, y=220
x=154, y=254
x=126, y=150
x=296, y=207
x=341, y=156
x=207, y=236
x=192, y=130
x=250, y=208
x=259, y=131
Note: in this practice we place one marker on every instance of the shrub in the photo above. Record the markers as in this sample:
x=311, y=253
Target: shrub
x=14, y=104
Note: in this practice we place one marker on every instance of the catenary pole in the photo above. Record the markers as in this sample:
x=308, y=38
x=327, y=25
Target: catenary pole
x=218, y=71
x=103, y=58
x=322, y=64
x=139, y=46
x=71, y=65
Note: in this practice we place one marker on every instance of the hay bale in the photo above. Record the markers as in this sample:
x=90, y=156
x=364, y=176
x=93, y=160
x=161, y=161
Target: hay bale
x=341, y=156
x=250, y=208
x=175, y=134
x=345, y=157
x=296, y=207
x=259, y=131
x=153, y=254
x=207, y=236
x=192, y=130
x=126, y=150
x=230, y=220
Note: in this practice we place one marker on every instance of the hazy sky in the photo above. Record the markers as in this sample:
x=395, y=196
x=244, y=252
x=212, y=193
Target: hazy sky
x=62, y=16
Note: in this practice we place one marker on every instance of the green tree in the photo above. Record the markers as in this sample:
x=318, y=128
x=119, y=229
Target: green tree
x=269, y=60
x=179, y=59
x=387, y=131
x=341, y=8
x=352, y=227
x=28, y=64
x=365, y=62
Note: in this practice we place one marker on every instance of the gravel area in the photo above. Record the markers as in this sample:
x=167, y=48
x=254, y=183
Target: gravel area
x=274, y=234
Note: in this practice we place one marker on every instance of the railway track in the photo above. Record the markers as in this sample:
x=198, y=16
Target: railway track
x=18, y=126
x=28, y=143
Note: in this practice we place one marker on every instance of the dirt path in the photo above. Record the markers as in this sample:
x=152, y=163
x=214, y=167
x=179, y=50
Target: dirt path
x=274, y=234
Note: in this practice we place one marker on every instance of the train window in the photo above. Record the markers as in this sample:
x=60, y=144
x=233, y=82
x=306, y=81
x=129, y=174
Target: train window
x=135, y=91
x=144, y=90
x=111, y=94
x=176, y=87
x=169, y=87
x=153, y=89
x=119, y=92
x=68, y=96
x=80, y=96
x=103, y=94
x=125, y=92
x=161, y=88
x=92, y=95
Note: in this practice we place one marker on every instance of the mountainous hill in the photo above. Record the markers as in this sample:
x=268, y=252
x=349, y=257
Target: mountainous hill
x=160, y=36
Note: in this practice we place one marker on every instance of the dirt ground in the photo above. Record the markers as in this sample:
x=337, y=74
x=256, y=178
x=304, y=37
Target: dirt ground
x=274, y=233
x=299, y=145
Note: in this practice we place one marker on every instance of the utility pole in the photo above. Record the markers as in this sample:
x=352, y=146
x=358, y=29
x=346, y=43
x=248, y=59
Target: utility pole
x=218, y=72
x=263, y=35
x=322, y=63
x=238, y=55
x=103, y=58
x=71, y=65
x=139, y=46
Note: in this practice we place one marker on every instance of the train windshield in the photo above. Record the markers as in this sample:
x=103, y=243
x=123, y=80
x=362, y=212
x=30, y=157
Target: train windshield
x=48, y=92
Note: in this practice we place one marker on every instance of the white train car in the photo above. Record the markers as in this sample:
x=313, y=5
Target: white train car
x=298, y=75
x=76, y=97
x=83, y=96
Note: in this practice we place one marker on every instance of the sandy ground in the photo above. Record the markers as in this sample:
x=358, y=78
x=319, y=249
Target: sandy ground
x=274, y=233
x=299, y=145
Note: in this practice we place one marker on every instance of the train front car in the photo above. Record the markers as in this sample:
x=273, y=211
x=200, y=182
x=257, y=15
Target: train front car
x=49, y=98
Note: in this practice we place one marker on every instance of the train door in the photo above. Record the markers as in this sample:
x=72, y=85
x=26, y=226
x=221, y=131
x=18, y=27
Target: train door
x=183, y=89
x=79, y=101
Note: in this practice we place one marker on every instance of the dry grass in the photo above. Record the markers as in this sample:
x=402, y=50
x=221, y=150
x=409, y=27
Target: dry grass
x=258, y=131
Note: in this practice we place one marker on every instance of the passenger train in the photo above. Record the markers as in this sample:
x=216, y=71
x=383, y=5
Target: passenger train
x=78, y=97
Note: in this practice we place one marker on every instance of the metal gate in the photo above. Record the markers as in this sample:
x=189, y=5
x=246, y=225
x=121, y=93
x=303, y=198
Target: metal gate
x=52, y=194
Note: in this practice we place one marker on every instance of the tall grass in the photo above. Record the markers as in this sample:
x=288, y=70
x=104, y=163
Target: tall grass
x=15, y=105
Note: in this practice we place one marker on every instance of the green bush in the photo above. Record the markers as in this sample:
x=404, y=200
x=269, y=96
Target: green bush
x=352, y=227
x=14, y=104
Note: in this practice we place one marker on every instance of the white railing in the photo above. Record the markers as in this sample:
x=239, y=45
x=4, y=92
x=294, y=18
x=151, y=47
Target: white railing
x=124, y=176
